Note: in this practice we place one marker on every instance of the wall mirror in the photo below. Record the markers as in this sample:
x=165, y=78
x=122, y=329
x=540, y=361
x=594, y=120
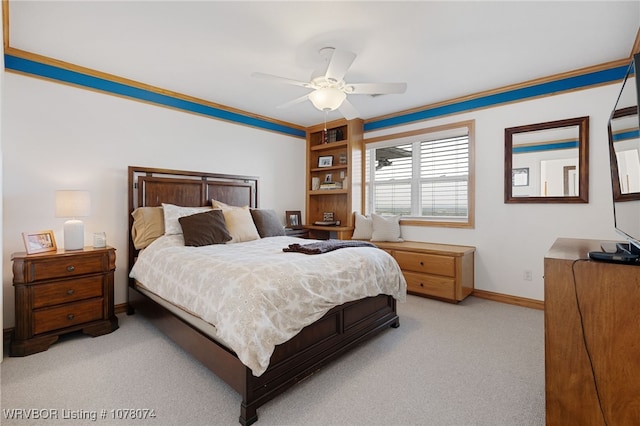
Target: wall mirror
x=547, y=162
x=624, y=142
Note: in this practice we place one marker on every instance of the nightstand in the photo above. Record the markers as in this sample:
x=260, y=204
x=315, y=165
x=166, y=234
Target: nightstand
x=61, y=292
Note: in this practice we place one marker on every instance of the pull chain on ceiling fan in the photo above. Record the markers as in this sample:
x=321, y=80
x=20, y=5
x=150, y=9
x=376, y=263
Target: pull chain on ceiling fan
x=330, y=90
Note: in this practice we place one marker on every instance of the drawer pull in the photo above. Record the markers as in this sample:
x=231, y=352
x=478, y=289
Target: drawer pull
x=70, y=291
x=421, y=285
x=70, y=317
x=421, y=263
x=71, y=268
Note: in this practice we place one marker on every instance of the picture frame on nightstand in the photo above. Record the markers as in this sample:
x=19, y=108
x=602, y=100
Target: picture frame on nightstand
x=39, y=242
x=294, y=219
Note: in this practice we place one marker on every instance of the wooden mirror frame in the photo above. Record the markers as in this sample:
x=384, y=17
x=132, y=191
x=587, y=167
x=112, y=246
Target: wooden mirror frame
x=583, y=161
x=618, y=195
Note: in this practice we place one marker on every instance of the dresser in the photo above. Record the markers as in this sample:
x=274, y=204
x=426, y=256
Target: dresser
x=592, y=337
x=61, y=292
x=441, y=271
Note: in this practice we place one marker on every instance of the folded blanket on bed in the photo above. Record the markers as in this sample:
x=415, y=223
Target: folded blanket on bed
x=325, y=246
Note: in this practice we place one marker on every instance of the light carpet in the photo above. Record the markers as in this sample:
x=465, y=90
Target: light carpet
x=475, y=363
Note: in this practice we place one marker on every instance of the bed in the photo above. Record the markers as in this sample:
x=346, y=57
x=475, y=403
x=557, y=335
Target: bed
x=336, y=330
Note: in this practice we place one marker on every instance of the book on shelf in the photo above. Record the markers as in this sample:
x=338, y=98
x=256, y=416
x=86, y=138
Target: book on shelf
x=333, y=135
x=327, y=223
x=331, y=185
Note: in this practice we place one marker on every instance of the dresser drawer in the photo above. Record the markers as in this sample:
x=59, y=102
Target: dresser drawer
x=426, y=263
x=430, y=285
x=48, y=319
x=59, y=292
x=66, y=267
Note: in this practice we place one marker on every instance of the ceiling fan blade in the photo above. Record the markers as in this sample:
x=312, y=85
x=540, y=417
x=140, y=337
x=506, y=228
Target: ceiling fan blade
x=293, y=102
x=377, y=88
x=340, y=62
x=348, y=110
x=281, y=79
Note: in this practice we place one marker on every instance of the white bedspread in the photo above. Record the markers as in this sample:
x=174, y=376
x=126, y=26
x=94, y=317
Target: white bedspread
x=258, y=296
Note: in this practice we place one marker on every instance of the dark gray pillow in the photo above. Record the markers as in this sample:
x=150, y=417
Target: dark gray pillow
x=267, y=223
x=203, y=229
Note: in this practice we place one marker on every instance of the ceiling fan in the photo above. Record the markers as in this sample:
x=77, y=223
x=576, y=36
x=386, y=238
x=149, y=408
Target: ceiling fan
x=329, y=90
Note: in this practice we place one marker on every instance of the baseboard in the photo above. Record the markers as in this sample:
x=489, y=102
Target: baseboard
x=512, y=300
x=120, y=309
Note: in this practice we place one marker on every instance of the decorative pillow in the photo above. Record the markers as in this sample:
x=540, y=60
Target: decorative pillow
x=203, y=229
x=385, y=228
x=239, y=222
x=364, y=227
x=267, y=223
x=172, y=213
x=148, y=225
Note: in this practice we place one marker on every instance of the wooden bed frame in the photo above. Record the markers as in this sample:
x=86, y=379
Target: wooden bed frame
x=317, y=344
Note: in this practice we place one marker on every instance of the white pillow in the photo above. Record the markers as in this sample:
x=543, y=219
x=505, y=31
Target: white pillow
x=364, y=227
x=172, y=213
x=239, y=222
x=386, y=228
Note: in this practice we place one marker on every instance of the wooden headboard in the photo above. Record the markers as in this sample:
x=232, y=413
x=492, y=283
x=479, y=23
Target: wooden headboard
x=150, y=187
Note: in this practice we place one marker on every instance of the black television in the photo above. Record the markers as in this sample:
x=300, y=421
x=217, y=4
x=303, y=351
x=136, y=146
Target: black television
x=624, y=159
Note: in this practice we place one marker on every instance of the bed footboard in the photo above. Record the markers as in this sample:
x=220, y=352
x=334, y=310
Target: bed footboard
x=339, y=330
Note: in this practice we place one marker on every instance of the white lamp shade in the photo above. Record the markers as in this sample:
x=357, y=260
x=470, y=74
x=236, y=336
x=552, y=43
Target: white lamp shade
x=72, y=203
x=327, y=98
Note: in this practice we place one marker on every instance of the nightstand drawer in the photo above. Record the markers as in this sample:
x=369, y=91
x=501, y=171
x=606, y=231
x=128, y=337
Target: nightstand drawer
x=430, y=285
x=63, y=316
x=67, y=291
x=66, y=267
x=426, y=263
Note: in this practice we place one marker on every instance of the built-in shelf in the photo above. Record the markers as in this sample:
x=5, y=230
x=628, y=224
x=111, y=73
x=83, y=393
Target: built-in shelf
x=344, y=153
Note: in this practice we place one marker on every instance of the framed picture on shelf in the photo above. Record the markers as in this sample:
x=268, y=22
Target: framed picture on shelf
x=325, y=161
x=39, y=242
x=294, y=219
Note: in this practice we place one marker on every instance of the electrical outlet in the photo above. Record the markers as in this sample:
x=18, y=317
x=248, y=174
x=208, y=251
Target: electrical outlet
x=527, y=275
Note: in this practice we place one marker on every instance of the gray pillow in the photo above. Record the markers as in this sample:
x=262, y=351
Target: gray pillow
x=203, y=229
x=267, y=223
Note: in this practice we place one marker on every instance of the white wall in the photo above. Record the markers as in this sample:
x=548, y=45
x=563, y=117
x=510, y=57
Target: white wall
x=512, y=238
x=56, y=136
x=61, y=137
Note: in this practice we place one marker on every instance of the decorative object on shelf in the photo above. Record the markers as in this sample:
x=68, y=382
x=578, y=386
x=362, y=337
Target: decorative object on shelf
x=342, y=158
x=294, y=219
x=73, y=204
x=315, y=183
x=327, y=216
x=99, y=240
x=328, y=178
x=39, y=242
x=325, y=161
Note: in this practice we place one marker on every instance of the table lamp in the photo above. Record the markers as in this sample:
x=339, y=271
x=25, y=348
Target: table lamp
x=73, y=204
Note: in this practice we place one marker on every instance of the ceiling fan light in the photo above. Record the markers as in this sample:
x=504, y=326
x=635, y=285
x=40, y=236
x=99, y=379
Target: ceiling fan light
x=327, y=98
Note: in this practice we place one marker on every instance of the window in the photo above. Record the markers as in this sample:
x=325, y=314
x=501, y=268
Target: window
x=426, y=176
